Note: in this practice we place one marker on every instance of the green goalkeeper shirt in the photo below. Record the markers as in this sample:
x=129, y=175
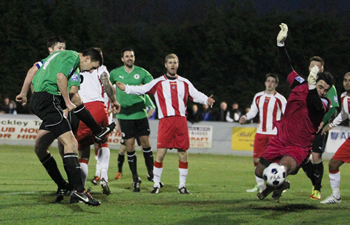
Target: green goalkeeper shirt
x=66, y=62
x=132, y=106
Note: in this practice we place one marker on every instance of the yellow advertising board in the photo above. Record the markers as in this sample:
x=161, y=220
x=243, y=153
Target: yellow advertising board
x=243, y=138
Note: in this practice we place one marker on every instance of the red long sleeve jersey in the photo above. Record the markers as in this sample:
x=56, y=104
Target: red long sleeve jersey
x=297, y=127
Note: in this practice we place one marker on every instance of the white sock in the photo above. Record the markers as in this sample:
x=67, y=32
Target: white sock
x=183, y=175
x=84, y=171
x=334, y=179
x=259, y=181
x=98, y=169
x=103, y=158
x=157, y=172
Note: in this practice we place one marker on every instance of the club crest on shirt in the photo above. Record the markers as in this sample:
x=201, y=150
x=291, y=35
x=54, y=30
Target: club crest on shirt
x=136, y=76
x=75, y=77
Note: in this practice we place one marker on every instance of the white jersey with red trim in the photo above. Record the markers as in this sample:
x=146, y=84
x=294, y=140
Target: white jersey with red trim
x=345, y=110
x=91, y=88
x=270, y=108
x=171, y=95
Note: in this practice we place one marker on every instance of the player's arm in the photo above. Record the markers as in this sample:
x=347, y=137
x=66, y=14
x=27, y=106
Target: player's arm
x=62, y=83
x=284, y=60
x=340, y=118
x=313, y=100
x=252, y=112
x=22, y=97
x=110, y=92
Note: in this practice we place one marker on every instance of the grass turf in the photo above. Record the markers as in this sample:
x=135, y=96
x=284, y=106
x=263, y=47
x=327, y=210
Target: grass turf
x=217, y=184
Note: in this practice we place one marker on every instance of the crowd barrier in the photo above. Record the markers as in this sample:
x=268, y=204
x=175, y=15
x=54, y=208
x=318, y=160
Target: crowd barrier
x=205, y=137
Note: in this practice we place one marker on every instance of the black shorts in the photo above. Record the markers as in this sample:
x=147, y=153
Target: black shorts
x=319, y=143
x=48, y=108
x=134, y=128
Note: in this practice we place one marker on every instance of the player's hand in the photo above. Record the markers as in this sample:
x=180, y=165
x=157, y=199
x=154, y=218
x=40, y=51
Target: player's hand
x=65, y=113
x=282, y=35
x=242, y=120
x=312, y=77
x=22, y=98
x=121, y=86
x=210, y=101
x=116, y=107
x=326, y=129
x=70, y=106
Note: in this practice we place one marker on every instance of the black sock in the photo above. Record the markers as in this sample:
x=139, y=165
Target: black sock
x=309, y=171
x=51, y=168
x=121, y=159
x=132, y=160
x=73, y=171
x=318, y=175
x=84, y=115
x=148, y=155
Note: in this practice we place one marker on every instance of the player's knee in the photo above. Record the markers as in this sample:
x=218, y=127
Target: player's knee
x=333, y=165
x=75, y=99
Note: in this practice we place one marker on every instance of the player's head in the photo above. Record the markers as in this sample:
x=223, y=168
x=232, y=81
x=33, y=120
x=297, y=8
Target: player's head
x=91, y=58
x=316, y=61
x=271, y=82
x=324, y=82
x=346, y=82
x=171, y=64
x=55, y=44
x=128, y=57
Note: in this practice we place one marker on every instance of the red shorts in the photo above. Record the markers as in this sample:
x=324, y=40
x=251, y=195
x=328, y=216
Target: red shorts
x=173, y=133
x=343, y=152
x=84, y=135
x=275, y=150
x=260, y=143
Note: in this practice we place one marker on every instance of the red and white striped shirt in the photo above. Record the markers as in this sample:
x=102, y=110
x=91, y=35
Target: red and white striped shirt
x=270, y=108
x=171, y=95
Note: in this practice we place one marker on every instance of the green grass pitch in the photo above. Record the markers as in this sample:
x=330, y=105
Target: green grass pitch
x=217, y=184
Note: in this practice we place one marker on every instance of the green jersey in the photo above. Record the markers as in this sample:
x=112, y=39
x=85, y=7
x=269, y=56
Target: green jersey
x=132, y=106
x=149, y=103
x=332, y=95
x=66, y=62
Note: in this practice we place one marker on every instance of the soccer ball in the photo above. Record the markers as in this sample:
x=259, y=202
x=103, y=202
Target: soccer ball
x=274, y=175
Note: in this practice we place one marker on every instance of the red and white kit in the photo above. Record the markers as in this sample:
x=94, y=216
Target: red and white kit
x=171, y=96
x=93, y=96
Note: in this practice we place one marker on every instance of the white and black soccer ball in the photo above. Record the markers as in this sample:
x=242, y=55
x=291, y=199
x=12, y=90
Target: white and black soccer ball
x=274, y=175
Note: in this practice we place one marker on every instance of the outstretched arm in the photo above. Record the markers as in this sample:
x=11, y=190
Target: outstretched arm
x=283, y=56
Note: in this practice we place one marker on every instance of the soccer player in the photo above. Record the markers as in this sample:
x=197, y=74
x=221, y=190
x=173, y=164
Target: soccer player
x=50, y=91
x=171, y=93
x=133, y=116
x=270, y=105
x=314, y=169
x=53, y=44
x=296, y=130
x=342, y=155
x=150, y=107
x=94, y=86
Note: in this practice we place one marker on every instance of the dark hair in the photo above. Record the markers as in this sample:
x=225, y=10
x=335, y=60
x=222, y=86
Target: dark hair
x=125, y=50
x=53, y=40
x=274, y=75
x=317, y=59
x=326, y=76
x=95, y=53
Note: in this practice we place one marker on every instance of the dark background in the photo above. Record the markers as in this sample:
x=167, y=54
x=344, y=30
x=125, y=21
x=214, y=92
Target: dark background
x=225, y=47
